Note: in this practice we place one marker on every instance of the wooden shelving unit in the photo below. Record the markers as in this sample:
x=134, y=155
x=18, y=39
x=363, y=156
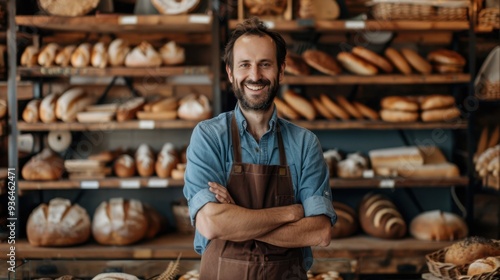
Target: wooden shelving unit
x=347, y=79
x=113, y=71
x=378, y=125
x=108, y=126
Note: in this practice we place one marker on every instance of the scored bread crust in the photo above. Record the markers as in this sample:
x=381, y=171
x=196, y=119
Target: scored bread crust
x=322, y=62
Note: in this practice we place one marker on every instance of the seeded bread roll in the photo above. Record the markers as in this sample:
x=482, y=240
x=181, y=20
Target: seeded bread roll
x=470, y=249
x=58, y=224
x=379, y=217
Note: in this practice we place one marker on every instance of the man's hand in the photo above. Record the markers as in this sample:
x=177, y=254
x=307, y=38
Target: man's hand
x=221, y=193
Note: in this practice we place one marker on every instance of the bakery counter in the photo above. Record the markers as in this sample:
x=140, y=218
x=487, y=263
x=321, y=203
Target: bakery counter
x=107, y=125
x=111, y=23
x=386, y=79
x=376, y=125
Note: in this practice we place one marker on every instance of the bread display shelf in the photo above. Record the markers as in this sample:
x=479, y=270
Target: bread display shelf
x=393, y=79
x=399, y=182
x=352, y=25
x=121, y=23
x=375, y=125
x=107, y=126
x=113, y=71
x=24, y=90
x=105, y=183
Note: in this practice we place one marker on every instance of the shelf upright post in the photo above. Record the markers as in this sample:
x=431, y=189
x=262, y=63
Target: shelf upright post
x=215, y=49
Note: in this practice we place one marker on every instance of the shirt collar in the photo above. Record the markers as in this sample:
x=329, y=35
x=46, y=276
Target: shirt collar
x=242, y=122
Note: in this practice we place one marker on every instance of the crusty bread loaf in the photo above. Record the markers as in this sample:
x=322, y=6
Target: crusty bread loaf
x=416, y=61
x=351, y=109
x=470, y=249
x=128, y=109
x=445, y=56
x=172, y=54
x=175, y=7
x=145, y=160
x=47, y=55
x=48, y=108
x=373, y=58
x=81, y=55
x=300, y=104
x=436, y=101
x=119, y=222
x=398, y=60
x=401, y=103
x=117, y=51
x=296, y=65
x=167, y=160
x=31, y=112
x=58, y=224
x=484, y=265
x=335, y=109
x=438, y=226
x=71, y=102
x=352, y=166
x=99, y=55
x=356, y=64
x=124, y=166
x=143, y=55
x=409, y=156
x=347, y=220
x=322, y=61
x=29, y=58
x=285, y=110
x=440, y=115
x=67, y=7
x=398, y=116
x=45, y=166
x=194, y=107
x=321, y=109
x=63, y=57
x=438, y=170
x=379, y=217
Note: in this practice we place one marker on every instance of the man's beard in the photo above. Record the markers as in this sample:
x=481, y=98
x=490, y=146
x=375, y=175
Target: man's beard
x=261, y=105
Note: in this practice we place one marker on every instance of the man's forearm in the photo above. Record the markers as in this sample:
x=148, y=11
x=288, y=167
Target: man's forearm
x=309, y=231
x=235, y=223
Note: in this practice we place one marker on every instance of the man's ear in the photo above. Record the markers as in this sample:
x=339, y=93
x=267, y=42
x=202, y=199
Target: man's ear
x=229, y=73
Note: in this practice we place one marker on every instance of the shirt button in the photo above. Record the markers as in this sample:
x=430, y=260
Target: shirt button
x=327, y=193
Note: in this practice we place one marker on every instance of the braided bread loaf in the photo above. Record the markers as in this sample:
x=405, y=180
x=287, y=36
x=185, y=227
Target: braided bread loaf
x=379, y=217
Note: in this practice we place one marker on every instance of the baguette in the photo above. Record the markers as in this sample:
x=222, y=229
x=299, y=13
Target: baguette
x=70, y=103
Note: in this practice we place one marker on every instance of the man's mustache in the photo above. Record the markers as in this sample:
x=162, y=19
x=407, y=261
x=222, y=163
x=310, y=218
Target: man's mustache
x=258, y=82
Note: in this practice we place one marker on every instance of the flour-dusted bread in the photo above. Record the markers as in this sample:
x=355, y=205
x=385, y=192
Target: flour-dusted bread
x=438, y=226
x=119, y=222
x=31, y=113
x=81, y=55
x=194, y=107
x=379, y=217
x=48, y=108
x=47, y=55
x=58, y=224
x=63, y=56
x=484, y=265
x=143, y=55
x=71, y=102
x=145, y=160
x=167, y=160
x=124, y=166
x=44, y=166
x=99, y=55
x=470, y=249
x=117, y=51
x=172, y=54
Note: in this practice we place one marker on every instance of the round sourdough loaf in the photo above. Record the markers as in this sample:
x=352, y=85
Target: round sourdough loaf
x=347, y=220
x=379, y=217
x=470, y=249
x=119, y=222
x=58, y=224
x=322, y=61
x=438, y=226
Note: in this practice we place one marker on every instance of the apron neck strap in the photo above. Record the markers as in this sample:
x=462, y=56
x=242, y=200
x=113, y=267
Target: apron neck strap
x=237, y=147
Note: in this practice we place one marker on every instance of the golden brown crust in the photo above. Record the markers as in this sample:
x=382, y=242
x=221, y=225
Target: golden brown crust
x=321, y=108
x=398, y=116
x=335, y=109
x=438, y=115
x=373, y=58
x=417, y=61
x=285, y=110
x=401, y=103
x=366, y=111
x=353, y=111
x=398, y=60
x=438, y=226
x=296, y=65
x=445, y=56
x=379, y=217
x=322, y=62
x=436, y=101
x=447, y=68
x=300, y=104
x=347, y=221
x=484, y=265
x=470, y=249
x=356, y=64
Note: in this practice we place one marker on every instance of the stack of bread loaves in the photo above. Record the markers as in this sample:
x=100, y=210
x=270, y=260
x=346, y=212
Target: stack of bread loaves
x=399, y=109
x=446, y=61
x=438, y=107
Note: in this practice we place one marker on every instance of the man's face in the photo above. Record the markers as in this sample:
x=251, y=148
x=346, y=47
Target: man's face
x=255, y=76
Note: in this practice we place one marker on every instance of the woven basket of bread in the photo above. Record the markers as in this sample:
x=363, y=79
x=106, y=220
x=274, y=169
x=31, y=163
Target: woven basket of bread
x=487, y=83
x=450, y=10
x=182, y=220
x=489, y=17
x=437, y=266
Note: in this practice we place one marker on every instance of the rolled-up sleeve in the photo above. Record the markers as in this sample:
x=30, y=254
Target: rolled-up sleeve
x=199, y=200
x=319, y=205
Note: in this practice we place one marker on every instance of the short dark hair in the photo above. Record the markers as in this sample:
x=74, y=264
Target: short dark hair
x=254, y=26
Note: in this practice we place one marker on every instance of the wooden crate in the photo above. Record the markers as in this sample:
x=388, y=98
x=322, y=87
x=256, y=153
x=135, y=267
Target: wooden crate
x=244, y=12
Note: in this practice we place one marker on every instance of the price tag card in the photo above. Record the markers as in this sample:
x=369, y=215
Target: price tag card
x=355, y=24
x=130, y=184
x=369, y=173
x=158, y=183
x=270, y=24
x=127, y=20
x=387, y=183
x=89, y=184
x=146, y=124
x=203, y=19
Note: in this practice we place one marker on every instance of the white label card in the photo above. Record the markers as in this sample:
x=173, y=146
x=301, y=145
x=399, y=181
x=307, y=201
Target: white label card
x=130, y=184
x=369, y=173
x=89, y=184
x=146, y=124
x=203, y=19
x=387, y=183
x=355, y=24
x=127, y=20
x=158, y=183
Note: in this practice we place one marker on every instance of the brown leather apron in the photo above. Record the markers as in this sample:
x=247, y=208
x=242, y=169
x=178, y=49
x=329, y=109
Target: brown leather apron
x=254, y=186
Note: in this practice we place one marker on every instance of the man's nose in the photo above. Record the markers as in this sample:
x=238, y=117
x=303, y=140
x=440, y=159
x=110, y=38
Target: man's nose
x=254, y=73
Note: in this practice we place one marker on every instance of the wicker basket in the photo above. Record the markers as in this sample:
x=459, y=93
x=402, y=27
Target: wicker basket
x=489, y=17
x=182, y=220
x=419, y=10
x=487, y=83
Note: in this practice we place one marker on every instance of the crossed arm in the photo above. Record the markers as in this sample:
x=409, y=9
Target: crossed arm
x=283, y=226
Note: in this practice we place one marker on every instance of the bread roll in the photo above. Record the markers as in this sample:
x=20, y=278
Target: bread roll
x=119, y=222
x=416, y=61
x=398, y=116
x=436, y=101
x=29, y=58
x=352, y=166
x=175, y=7
x=58, y=224
x=194, y=107
x=322, y=62
x=48, y=108
x=47, y=55
x=128, y=109
x=398, y=60
x=344, y=103
x=117, y=51
x=115, y=276
x=356, y=64
x=71, y=102
x=440, y=115
x=484, y=265
x=63, y=57
x=400, y=103
x=167, y=160
x=99, y=55
x=172, y=54
x=144, y=55
x=335, y=109
x=45, y=166
x=438, y=226
x=145, y=160
x=321, y=109
x=285, y=110
x=470, y=249
x=124, y=166
x=447, y=68
x=380, y=218
x=373, y=58
x=31, y=111
x=366, y=111
x=296, y=65
x=347, y=220
x=67, y=7
x=445, y=56
x=81, y=56
x=300, y=104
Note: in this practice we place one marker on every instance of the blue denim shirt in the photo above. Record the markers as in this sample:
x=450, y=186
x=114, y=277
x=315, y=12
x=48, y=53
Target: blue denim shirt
x=210, y=157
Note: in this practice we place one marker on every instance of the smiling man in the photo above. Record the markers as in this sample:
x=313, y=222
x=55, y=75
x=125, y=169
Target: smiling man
x=257, y=185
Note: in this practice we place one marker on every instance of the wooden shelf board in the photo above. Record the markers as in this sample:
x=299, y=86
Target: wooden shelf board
x=372, y=25
x=24, y=90
x=113, y=71
x=375, y=125
x=107, y=126
x=120, y=23
x=337, y=183
x=104, y=183
x=377, y=79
